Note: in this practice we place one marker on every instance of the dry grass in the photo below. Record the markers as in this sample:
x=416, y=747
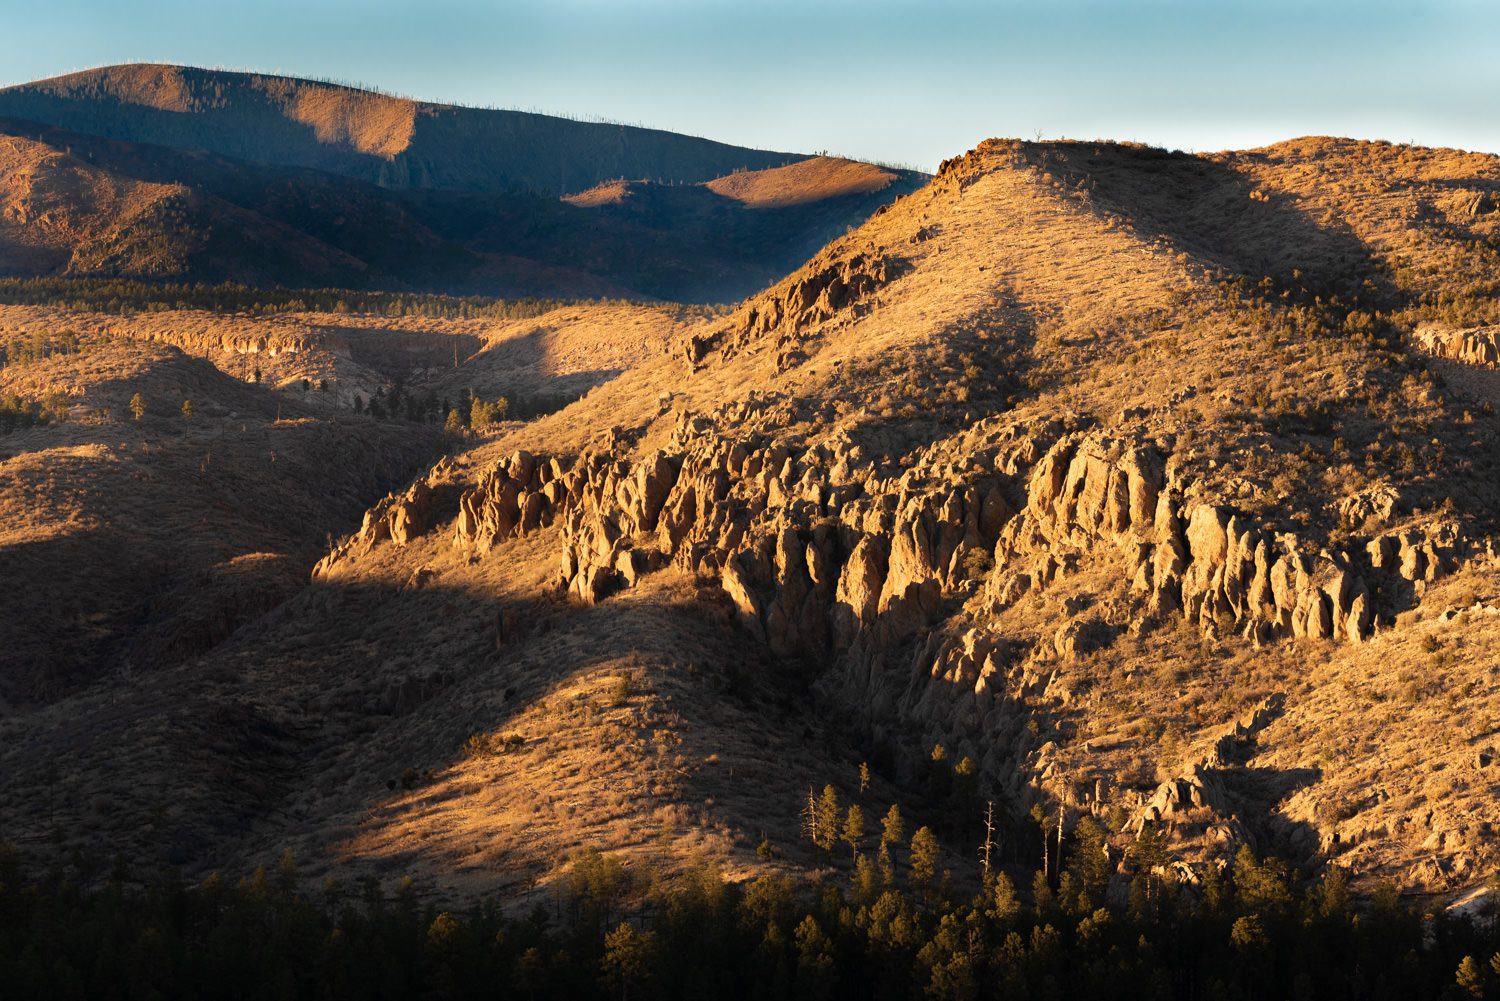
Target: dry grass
x=810, y=180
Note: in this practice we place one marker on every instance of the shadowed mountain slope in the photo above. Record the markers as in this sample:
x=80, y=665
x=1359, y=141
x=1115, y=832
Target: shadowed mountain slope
x=390, y=141
x=78, y=205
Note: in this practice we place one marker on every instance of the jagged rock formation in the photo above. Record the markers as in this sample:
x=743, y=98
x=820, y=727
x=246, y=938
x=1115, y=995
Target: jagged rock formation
x=1197, y=557
x=825, y=559
x=819, y=552
x=1474, y=346
x=817, y=292
x=397, y=517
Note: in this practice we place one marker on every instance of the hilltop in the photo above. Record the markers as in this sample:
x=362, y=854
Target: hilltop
x=1091, y=480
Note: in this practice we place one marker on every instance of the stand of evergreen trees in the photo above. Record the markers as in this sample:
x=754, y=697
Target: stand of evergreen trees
x=1253, y=931
x=112, y=295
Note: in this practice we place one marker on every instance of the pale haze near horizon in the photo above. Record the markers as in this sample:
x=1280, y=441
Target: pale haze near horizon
x=875, y=80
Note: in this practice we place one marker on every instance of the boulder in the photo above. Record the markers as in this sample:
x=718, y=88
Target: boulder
x=408, y=516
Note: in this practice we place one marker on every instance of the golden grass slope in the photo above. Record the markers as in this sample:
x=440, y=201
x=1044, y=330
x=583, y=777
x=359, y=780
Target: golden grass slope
x=816, y=179
x=806, y=181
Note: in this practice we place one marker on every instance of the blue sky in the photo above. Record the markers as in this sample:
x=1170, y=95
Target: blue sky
x=900, y=82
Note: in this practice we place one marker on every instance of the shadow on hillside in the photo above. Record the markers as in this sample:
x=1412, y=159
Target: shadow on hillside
x=1208, y=209
x=365, y=690
x=104, y=605
x=1258, y=791
x=395, y=352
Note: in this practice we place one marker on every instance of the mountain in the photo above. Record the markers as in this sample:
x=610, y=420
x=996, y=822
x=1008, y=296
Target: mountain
x=1090, y=480
x=167, y=174
x=389, y=141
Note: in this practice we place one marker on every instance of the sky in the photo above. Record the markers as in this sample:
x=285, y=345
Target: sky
x=904, y=82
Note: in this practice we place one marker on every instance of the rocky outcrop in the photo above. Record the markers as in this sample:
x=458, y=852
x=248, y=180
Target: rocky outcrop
x=1194, y=806
x=1091, y=492
x=822, y=555
x=1471, y=346
x=400, y=518
x=513, y=497
x=814, y=294
x=810, y=545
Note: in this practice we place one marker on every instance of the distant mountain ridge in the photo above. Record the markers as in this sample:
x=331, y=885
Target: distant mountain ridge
x=162, y=173
x=390, y=141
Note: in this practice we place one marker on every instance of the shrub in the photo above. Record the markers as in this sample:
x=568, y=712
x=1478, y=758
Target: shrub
x=453, y=427
x=55, y=405
x=620, y=693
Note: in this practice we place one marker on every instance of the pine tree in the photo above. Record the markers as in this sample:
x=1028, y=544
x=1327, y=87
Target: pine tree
x=828, y=818
x=1090, y=862
x=854, y=829
x=887, y=867
x=989, y=838
x=939, y=774
x=894, y=826
x=1147, y=853
x=453, y=427
x=809, y=818
x=924, y=857
x=866, y=881
x=1007, y=901
x=965, y=782
x=1470, y=977
x=627, y=957
x=138, y=406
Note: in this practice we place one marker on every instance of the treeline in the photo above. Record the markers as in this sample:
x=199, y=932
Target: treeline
x=17, y=413
x=1252, y=931
x=120, y=295
x=39, y=346
x=394, y=400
